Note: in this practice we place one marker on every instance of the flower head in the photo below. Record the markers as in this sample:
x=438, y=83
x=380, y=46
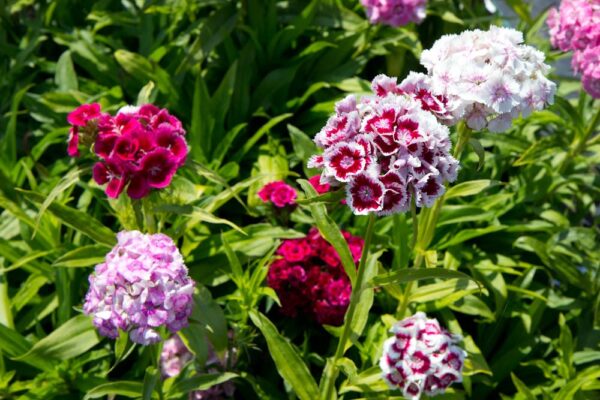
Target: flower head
x=175, y=356
x=140, y=148
x=395, y=12
x=143, y=284
x=421, y=357
x=279, y=193
x=398, y=150
x=486, y=78
x=575, y=26
x=309, y=278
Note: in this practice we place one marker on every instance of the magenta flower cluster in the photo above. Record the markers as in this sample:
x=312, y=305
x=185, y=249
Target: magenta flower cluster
x=575, y=27
x=310, y=280
x=175, y=356
x=387, y=149
x=279, y=193
x=395, y=12
x=140, y=148
x=142, y=285
x=421, y=357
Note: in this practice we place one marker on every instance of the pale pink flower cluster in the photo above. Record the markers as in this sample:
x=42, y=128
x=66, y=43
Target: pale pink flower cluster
x=142, y=285
x=386, y=149
x=486, y=78
x=395, y=12
x=421, y=357
x=175, y=356
x=575, y=26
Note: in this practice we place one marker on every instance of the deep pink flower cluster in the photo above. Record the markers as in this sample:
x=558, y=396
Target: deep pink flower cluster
x=575, y=26
x=310, y=280
x=395, y=12
x=140, y=147
x=388, y=148
x=175, y=356
x=279, y=193
x=142, y=285
x=421, y=357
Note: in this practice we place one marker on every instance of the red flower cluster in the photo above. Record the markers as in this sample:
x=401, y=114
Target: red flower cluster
x=140, y=147
x=279, y=193
x=309, y=278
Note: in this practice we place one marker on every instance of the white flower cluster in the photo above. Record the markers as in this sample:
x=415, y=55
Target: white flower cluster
x=421, y=357
x=486, y=78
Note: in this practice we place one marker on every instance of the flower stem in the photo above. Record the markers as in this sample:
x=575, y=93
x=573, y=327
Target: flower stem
x=354, y=297
x=5, y=311
x=424, y=227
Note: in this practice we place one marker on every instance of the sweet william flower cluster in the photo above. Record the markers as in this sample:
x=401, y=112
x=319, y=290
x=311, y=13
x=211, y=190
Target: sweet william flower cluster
x=142, y=285
x=175, y=356
x=279, y=193
x=421, y=357
x=395, y=12
x=486, y=78
x=140, y=148
x=310, y=280
x=387, y=149
x=575, y=26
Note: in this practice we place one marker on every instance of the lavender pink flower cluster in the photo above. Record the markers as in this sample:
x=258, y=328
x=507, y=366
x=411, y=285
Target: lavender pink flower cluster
x=310, y=280
x=387, y=149
x=175, y=356
x=279, y=193
x=140, y=147
x=395, y=12
x=142, y=285
x=486, y=78
x=575, y=26
x=421, y=357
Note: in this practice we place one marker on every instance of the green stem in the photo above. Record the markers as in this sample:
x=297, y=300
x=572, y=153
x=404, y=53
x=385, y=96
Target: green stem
x=149, y=216
x=428, y=220
x=354, y=297
x=415, y=222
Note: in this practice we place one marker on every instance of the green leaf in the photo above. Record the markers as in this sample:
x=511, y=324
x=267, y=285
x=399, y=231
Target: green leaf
x=208, y=314
x=467, y=234
x=145, y=95
x=74, y=337
x=196, y=215
x=522, y=388
x=289, y=364
x=151, y=378
x=65, y=76
x=586, y=376
x=234, y=262
x=15, y=345
x=468, y=188
x=303, y=146
x=200, y=382
x=77, y=220
x=121, y=388
x=478, y=149
x=411, y=275
x=330, y=231
x=259, y=134
x=83, y=256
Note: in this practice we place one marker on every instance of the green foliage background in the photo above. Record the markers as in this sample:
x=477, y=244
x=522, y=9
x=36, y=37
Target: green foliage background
x=252, y=82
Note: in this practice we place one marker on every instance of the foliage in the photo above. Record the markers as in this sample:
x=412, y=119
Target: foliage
x=513, y=262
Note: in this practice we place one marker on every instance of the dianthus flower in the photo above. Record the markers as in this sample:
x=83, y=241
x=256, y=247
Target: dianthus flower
x=486, y=78
x=175, y=356
x=319, y=187
x=421, y=357
x=387, y=149
x=143, y=284
x=395, y=12
x=140, y=148
x=310, y=280
x=575, y=26
x=279, y=193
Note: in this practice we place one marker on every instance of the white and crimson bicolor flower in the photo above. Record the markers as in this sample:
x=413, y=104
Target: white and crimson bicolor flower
x=388, y=149
x=421, y=357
